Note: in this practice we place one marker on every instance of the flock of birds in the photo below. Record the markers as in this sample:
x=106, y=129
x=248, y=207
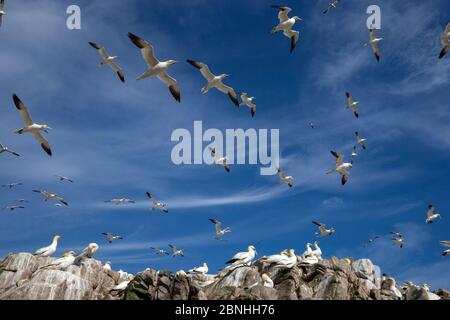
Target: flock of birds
x=159, y=69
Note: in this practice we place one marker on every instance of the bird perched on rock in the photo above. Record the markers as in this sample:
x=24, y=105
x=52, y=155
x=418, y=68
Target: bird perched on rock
x=88, y=252
x=107, y=266
x=243, y=258
x=124, y=284
x=202, y=270
x=49, y=250
x=62, y=263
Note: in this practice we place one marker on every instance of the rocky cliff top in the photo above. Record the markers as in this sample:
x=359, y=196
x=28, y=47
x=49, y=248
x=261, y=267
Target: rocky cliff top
x=24, y=276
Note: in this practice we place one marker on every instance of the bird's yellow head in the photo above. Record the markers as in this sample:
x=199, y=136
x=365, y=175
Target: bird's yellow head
x=56, y=238
x=265, y=277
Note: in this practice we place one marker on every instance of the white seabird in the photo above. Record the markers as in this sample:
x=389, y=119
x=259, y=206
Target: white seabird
x=63, y=178
x=317, y=251
x=88, y=252
x=21, y=200
x=159, y=251
x=64, y=262
x=111, y=237
x=266, y=281
x=431, y=214
x=286, y=25
x=220, y=161
x=352, y=105
x=243, y=258
x=6, y=149
x=30, y=126
x=13, y=207
x=308, y=251
x=289, y=261
x=354, y=154
x=219, y=231
x=12, y=185
x=156, y=67
x=289, y=180
x=445, y=40
x=398, y=242
x=49, y=250
x=175, y=251
x=2, y=11
x=393, y=288
x=373, y=42
x=248, y=101
x=120, y=201
x=312, y=125
x=322, y=230
x=157, y=204
x=360, y=140
x=341, y=167
x=397, y=235
x=203, y=269
x=108, y=60
x=51, y=196
x=124, y=284
x=107, y=266
x=274, y=258
x=215, y=81
x=445, y=244
x=331, y=6
x=372, y=240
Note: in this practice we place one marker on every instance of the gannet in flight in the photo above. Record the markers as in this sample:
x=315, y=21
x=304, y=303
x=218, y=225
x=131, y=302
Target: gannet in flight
x=286, y=25
x=156, y=67
x=12, y=185
x=374, y=44
x=159, y=251
x=248, y=101
x=331, y=6
x=49, y=250
x=220, y=161
x=312, y=125
x=445, y=40
x=51, y=196
x=354, y=154
x=111, y=237
x=157, y=204
x=445, y=244
x=32, y=127
x=289, y=180
x=2, y=11
x=6, y=149
x=219, y=231
x=203, y=269
x=108, y=60
x=431, y=214
x=62, y=178
x=398, y=242
x=120, y=201
x=66, y=261
x=322, y=230
x=341, y=167
x=396, y=234
x=12, y=208
x=214, y=81
x=360, y=140
x=243, y=258
x=123, y=285
x=21, y=200
x=107, y=266
x=176, y=252
x=372, y=240
x=352, y=105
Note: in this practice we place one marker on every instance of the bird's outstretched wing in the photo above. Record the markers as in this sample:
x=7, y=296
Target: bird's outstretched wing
x=146, y=49
x=23, y=110
x=204, y=69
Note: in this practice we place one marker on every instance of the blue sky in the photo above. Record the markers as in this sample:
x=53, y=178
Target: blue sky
x=113, y=139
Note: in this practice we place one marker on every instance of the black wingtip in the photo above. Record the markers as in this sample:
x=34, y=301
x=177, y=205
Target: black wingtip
x=443, y=52
x=235, y=100
x=47, y=150
x=135, y=39
x=175, y=93
x=17, y=102
x=94, y=45
x=194, y=63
